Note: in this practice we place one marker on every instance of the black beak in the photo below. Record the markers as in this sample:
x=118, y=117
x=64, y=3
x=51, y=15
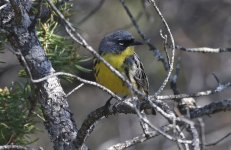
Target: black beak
x=135, y=42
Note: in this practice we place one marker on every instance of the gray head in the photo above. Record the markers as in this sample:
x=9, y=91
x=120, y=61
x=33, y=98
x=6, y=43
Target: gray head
x=116, y=42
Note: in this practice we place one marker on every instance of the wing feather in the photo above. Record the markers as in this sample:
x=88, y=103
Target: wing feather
x=134, y=71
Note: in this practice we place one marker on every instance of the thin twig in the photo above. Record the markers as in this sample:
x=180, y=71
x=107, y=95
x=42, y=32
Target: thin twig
x=91, y=13
x=139, y=139
x=182, y=136
x=75, y=89
x=156, y=52
x=59, y=120
x=88, y=124
x=137, y=18
x=79, y=39
x=219, y=88
x=65, y=74
x=174, y=77
x=126, y=106
x=218, y=141
x=172, y=61
x=144, y=127
x=80, y=79
x=3, y=6
x=172, y=46
x=160, y=131
x=136, y=25
x=16, y=147
x=203, y=49
x=165, y=41
x=195, y=135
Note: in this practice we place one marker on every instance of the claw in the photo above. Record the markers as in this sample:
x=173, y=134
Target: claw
x=107, y=105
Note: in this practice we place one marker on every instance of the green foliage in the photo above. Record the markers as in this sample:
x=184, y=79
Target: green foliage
x=16, y=124
x=64, y=6
x=60, y=50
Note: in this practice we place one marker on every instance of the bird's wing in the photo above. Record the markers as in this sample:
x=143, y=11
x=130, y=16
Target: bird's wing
x=134, y=70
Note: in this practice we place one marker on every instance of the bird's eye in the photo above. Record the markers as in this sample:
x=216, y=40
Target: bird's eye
x=120, y=43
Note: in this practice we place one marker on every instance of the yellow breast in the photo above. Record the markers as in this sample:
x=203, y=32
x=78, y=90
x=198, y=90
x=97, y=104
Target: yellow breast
x=107, y=78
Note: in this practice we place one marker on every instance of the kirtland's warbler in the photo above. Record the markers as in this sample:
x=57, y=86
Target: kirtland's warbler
x=117, y=49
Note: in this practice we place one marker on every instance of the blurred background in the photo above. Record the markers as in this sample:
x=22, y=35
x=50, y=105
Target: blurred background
x=197, y=23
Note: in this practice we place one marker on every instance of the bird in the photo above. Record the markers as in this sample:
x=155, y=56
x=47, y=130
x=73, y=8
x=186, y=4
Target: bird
x=117, y=48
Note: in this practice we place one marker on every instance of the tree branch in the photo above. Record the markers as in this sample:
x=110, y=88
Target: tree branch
x=157, y=53
x=126, y=106
x=17, y=147
x=139, y=139
x=77, y=37
x=218, y=89
x=172, y=47
x=91, y=13
x=212, y=108
x=218, y=141
x=203, y=49
x=59, y=121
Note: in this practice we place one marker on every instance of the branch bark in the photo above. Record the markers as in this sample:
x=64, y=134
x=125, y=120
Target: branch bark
x=212, y=108
x=59, y=121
